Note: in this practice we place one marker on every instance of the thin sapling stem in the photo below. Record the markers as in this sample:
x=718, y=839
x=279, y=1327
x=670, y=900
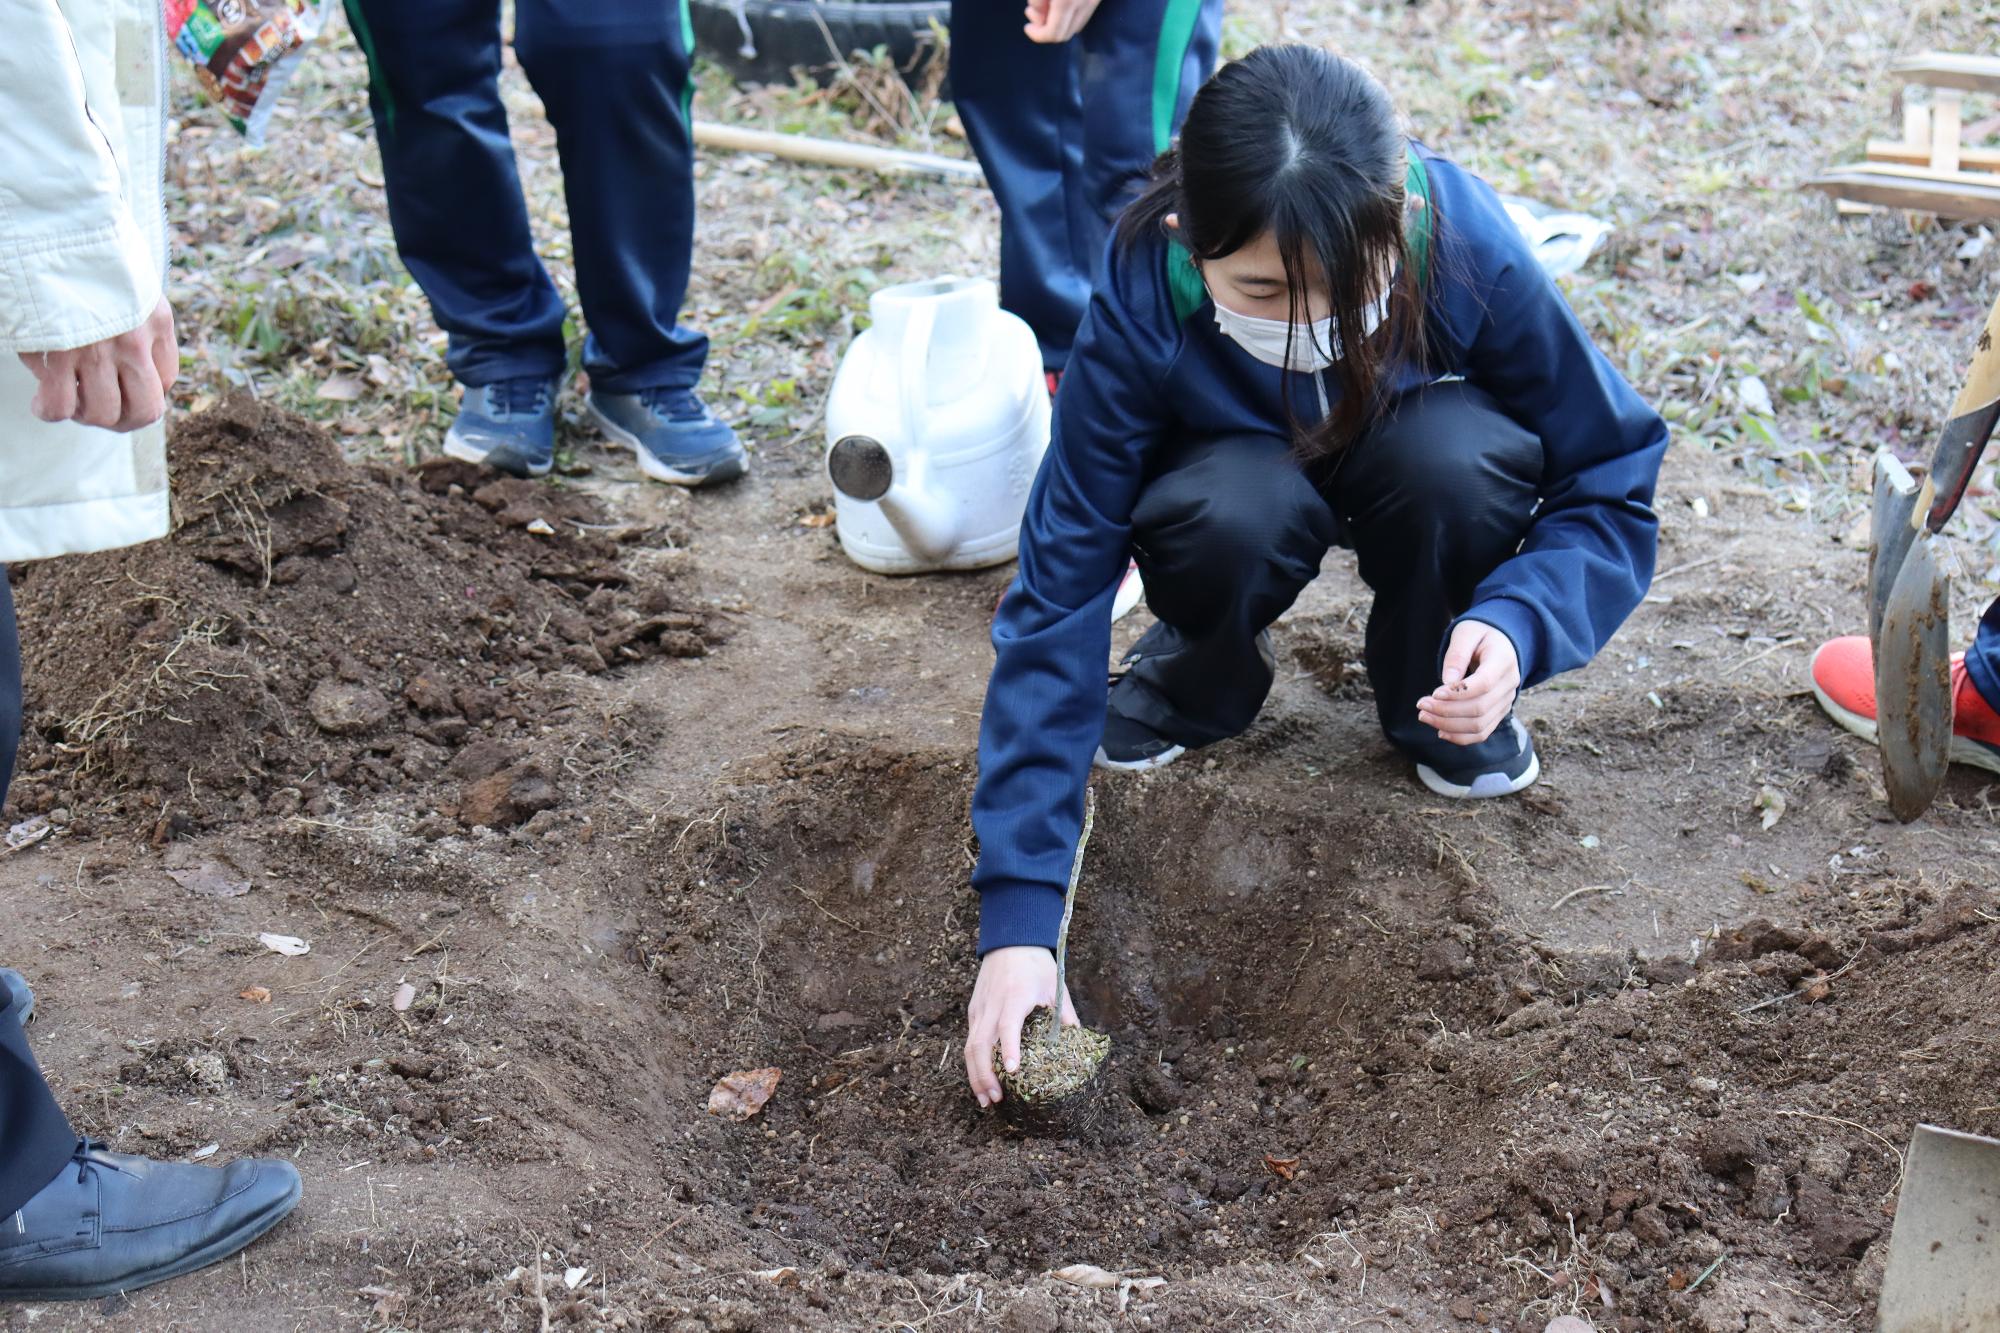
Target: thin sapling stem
x=1069, y=910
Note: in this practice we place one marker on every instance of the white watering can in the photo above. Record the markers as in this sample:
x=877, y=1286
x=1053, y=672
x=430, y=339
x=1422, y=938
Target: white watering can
x=936, y=424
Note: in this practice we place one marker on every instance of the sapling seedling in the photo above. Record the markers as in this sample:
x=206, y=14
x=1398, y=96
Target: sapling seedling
x=1051, y=1092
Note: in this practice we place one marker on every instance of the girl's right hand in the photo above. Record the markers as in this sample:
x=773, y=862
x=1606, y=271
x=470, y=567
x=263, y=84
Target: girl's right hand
x=1013, y=983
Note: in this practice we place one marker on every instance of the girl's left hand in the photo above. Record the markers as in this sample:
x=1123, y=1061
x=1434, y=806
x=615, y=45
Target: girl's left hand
x=1481, y=678
x=1055, y=21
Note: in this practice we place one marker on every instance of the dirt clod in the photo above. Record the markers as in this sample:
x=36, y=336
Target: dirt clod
x=509, y=797
x=341, y=709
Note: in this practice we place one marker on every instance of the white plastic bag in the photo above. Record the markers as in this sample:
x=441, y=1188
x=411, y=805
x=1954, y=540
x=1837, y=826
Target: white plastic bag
x=1562, y=242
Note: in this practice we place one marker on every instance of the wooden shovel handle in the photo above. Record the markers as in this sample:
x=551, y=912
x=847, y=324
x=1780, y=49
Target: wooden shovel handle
x=1964, y=437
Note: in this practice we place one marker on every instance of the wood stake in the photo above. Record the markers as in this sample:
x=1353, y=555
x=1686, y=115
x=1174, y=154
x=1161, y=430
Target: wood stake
x=834, y=153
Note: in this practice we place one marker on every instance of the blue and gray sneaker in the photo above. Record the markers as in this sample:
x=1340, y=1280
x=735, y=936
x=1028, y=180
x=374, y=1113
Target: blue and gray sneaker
x=1475, y=783
x=509, y=425
x=17, y=1002
x=678, y=440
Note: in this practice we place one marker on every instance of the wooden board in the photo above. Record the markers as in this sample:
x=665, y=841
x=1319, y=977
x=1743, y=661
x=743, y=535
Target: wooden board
x=1897, y=152
x=1945, y=129
x=1971, y=179
x=1957, y=194
x=1943, y=69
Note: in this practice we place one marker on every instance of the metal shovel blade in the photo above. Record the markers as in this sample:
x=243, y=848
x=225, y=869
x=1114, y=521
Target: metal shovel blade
x=1890, y=532
x=1943, y=1274
x=1913, y=682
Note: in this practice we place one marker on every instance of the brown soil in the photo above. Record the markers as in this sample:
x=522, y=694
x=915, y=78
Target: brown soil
x=1640, y=1045
x=1372, y=1057
x=313, y=633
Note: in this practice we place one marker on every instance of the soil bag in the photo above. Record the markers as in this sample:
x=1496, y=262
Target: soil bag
x=245, y=51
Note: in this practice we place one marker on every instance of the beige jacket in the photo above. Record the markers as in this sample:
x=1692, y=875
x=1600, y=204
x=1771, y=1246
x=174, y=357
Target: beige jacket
x=82, y=258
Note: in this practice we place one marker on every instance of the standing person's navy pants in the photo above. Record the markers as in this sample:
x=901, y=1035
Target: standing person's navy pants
x=1229, y=532
x=614, y=76
x=1066, y=134
x=35, y=1140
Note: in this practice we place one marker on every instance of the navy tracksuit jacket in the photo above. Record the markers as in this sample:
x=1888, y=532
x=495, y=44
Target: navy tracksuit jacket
x=1151, y=370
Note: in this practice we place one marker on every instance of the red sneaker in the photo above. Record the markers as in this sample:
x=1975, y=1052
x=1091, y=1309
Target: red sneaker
x=1843, y=676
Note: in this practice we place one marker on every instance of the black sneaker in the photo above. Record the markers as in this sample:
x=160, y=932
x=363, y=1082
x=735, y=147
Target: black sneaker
x=1133, y=747
x=1487, y=780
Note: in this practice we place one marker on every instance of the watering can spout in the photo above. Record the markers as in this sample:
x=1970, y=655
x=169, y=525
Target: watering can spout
x=928, y=522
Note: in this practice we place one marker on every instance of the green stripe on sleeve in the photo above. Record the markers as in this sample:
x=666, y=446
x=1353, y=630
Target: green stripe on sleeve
x=1176, y=36
x=1419, y=229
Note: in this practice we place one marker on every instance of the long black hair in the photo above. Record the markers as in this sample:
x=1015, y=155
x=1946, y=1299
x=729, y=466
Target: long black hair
x=1304, y=144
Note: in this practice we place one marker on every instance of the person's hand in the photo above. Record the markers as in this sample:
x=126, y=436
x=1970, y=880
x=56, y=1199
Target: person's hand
x=117, y=383
x=1055, y=21
x=1481, y=678
x=1013, y=983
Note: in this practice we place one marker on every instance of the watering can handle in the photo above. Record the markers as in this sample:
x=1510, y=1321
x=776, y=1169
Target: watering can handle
x=915, y=367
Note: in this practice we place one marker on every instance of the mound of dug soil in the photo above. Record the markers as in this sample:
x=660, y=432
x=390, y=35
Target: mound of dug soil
x=313, y=629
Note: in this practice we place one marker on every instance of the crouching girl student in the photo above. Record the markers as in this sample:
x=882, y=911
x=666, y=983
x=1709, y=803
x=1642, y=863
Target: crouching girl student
x=1308, y=332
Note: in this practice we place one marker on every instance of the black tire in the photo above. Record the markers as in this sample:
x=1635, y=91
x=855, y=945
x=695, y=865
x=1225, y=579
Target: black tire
x=773, y=37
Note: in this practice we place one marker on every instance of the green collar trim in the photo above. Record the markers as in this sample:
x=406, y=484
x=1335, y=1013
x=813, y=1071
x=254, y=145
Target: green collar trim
x=1189, y=293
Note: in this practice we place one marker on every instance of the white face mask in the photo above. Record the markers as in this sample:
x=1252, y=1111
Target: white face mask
x=1313, y=346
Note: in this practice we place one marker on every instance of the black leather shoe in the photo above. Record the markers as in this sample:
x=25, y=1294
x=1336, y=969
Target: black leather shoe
x=113, y=1222
x=17, y=1002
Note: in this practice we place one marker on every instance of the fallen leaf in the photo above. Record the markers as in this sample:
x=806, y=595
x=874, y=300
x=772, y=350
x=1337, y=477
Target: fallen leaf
x=387, y=1302
x=208, y=880
x=291, y=946
x=1282, y=1167
x=784, y=1277
x=340, y=388
x=1138, y=1284
x=1086, y=1275
x=1772, y=802
x=28, y=832
x=406, y=995
x=1755, y=397
x=255, y=994
x=742, y=1094
x=207, y=1150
